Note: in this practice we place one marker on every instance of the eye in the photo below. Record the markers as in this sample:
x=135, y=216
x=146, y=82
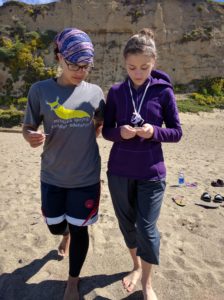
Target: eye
x=145, y=68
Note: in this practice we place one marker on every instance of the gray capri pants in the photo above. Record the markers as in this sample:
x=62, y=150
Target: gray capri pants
x=137, y=205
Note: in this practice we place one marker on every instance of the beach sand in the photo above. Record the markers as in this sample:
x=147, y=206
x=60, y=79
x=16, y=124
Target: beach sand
x=192, y=240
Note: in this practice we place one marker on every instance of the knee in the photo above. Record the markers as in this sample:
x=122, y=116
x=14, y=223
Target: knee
x=58, y=229
x=148, y=232
x=78, y=230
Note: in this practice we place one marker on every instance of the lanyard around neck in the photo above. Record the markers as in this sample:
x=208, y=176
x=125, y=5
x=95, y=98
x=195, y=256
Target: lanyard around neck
x=143, y=97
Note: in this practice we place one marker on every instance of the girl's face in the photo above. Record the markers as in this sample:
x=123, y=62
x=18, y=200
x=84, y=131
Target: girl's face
x=139, y=67
x=73, y=74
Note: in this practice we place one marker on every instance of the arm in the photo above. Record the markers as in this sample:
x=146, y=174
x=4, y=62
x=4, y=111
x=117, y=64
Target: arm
x=32, y=120
x=173, y=132
x=110, y=130
x=99, y=116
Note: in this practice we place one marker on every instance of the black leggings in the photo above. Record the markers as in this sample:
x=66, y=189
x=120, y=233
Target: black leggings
x=79, y=244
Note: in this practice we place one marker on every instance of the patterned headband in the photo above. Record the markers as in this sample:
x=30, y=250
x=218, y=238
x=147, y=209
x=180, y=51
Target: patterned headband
x=75, y=46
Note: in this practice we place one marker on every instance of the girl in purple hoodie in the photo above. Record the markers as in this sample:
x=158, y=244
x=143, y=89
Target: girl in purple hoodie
x=135, y=112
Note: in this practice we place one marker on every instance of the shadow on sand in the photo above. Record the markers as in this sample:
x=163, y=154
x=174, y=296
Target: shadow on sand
x=88, y=284
x=14, y=286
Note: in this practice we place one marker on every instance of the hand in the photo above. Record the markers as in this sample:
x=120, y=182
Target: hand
x=98, y=130
x=127, y=132
x=146, y=131
x=35, y=138
x=98, y=127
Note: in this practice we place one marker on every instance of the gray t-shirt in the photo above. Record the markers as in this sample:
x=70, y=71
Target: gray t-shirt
x=70, y=155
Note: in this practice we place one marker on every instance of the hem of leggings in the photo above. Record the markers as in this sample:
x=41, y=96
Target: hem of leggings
x=74, y=276
x=78, y=222
x=149, y=261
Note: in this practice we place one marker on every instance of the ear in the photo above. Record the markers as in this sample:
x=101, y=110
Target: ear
x=60, y=57
x=153, y=63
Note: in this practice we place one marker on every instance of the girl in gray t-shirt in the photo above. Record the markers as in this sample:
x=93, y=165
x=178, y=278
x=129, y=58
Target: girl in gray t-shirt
x=71, y=111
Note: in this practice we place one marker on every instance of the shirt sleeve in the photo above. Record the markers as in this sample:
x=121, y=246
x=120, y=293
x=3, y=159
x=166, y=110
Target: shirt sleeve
x=99, y=112
x=172, y=132
x=32, y=114
x=110, y=130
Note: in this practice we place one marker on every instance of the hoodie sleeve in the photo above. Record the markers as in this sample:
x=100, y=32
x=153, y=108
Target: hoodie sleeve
x=110, y=130
x=172, y=132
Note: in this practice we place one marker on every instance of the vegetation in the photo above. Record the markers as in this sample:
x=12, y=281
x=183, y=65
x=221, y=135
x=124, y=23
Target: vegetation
x=10, y=117
x=136, y=10
x=21, y=52
x=200, y=33
x=209, y=95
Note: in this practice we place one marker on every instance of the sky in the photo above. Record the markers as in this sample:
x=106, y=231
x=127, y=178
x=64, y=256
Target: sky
x=31, y=1
x=48, y=1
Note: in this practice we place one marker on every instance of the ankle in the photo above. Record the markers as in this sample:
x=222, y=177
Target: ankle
x=137, y=268
x=72, y=281
x=146, y=284
x=66, y=236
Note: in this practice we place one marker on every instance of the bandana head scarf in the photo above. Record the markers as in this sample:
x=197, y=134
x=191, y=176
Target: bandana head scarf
x=75, y=46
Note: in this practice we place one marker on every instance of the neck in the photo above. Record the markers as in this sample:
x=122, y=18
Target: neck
x=136, y=86
x=64, y=82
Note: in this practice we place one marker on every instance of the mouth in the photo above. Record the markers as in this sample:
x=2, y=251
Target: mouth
x=77, y=78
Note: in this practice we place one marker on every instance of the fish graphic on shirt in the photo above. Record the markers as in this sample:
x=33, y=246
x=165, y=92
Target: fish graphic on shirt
x=66, y=113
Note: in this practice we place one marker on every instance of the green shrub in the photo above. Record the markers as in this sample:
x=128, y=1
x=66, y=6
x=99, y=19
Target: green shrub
x=180, y=88
x=197, y=102
x=20, y=103
x=32, y=35
x=47, y=37
x=10, y=118
x=6, y=54
x=200, y=33
x=212, y=86
x=208, y=100
x=190, y=105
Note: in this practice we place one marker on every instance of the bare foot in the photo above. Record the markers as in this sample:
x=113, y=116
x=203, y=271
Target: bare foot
x=71, y=291
x=149, y=294
x=63, y=248
x=130, y=281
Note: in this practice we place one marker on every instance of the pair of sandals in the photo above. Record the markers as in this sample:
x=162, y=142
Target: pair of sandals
x=208, y=198
x=218, y=183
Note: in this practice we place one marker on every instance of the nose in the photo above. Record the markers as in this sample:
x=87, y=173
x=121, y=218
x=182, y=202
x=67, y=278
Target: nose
x=81, y=70
x=138, y=73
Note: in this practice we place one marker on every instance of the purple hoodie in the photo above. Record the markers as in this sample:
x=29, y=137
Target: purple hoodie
x=140, y=158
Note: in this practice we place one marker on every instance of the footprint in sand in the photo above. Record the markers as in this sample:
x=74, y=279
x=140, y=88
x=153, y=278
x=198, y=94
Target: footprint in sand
x=190, y=224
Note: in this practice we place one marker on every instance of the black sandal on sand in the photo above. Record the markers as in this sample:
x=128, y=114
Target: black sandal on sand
x=206, y=197
x=218, y=183
x=218, y=198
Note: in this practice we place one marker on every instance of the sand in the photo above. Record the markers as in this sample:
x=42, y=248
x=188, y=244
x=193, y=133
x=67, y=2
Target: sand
x=192, y=241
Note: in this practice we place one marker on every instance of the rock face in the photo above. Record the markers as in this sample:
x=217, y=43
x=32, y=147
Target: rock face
x=189, y=34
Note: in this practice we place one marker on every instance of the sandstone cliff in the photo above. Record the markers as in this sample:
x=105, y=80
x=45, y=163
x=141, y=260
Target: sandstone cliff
x=189, y=34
